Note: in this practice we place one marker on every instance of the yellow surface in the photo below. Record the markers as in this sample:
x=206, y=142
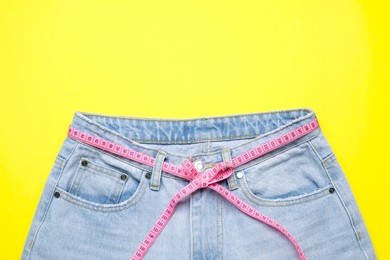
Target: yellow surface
x=186, y=59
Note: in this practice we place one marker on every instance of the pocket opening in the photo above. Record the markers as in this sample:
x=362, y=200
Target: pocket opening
x=294, y=175
x=100, y=178
x=126, y=200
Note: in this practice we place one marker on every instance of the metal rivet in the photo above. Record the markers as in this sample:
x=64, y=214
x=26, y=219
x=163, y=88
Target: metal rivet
x=56, y=194
x=240, y=174
x=123, y=177
x=84, y=163
x=148, y=175
x=331, y=190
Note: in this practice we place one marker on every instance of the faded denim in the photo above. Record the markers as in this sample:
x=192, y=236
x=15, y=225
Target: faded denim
x=89, y=211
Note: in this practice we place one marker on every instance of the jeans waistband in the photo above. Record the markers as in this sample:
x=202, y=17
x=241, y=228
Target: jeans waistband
x=236, y=133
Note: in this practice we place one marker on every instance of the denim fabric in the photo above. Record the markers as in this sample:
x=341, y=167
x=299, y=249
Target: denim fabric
x=98, y=205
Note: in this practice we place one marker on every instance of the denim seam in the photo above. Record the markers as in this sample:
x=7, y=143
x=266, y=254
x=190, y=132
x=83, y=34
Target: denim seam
x=332, y=159
x=62, y=161
x=313, y=146
x=217, y=224
x=291, y=122
x=119, y=184
x=230, y=138
x=315, y=151
x=132, y=201
x=74, y=145
x=321, y=160
x=239, y=137
x=203, y=140
x=32, y=242
x=63, y=165
x=324, y=191
x=198, y=118
x=221, y=207
x=76, y=180
x=192, y=227
x=217, y=220
x=120, y=192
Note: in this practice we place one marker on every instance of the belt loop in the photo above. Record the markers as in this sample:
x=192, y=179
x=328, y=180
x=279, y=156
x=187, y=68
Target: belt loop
x=157, y=170
x=232, y=182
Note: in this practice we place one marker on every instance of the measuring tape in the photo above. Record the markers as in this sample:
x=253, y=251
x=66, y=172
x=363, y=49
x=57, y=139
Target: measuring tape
x=200, y=180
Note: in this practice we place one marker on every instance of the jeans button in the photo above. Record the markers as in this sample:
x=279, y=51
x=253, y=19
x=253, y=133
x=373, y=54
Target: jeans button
x=240, y=174
x=199, y=165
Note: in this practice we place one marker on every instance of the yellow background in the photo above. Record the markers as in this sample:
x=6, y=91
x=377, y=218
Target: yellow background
x=179, y=59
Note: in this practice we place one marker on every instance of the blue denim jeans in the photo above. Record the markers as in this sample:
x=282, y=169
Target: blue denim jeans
x=98, y=205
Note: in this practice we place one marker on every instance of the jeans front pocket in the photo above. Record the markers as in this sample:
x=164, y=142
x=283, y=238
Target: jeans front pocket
x=99, y=180
x=96, y=183
x=291, y=176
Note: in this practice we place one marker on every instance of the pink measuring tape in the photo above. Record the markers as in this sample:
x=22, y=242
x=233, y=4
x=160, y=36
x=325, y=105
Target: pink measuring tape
x=200, y=180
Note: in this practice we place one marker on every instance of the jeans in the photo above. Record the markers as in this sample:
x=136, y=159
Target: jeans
x=97, y=204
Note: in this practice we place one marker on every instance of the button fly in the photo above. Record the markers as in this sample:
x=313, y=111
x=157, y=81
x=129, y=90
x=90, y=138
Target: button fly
x=199, y=165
